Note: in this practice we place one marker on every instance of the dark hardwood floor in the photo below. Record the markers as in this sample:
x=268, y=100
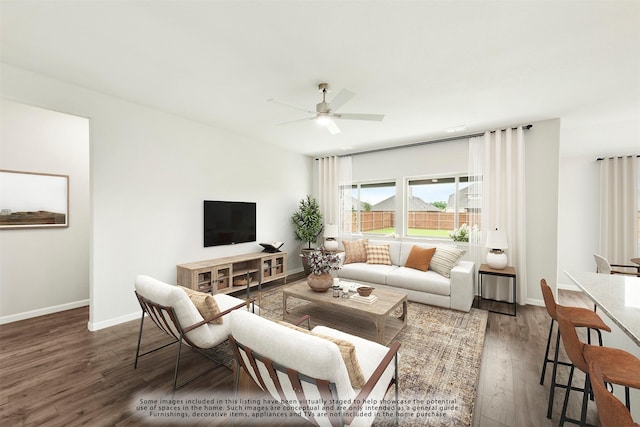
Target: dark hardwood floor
x=54, y=372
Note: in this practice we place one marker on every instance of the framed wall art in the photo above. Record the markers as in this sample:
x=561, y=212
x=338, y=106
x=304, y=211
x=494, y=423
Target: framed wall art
x=33, y=200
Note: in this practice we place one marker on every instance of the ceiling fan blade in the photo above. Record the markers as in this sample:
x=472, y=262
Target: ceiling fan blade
x=290, y=106
x=357, y=116
x=333, y=128
x=341, y=98
x=295, y=121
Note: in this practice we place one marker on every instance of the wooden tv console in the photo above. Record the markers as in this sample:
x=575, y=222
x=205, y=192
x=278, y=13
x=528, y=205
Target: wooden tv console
x=229, y=274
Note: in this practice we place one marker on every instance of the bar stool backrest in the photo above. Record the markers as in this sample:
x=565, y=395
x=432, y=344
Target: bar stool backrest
x=572, y=344
x=549, y=300
x=611, y=411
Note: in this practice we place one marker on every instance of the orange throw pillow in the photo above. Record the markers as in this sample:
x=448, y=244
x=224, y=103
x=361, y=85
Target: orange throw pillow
x=419, y=258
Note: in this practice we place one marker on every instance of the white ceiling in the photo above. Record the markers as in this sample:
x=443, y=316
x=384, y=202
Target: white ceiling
x=427, y=65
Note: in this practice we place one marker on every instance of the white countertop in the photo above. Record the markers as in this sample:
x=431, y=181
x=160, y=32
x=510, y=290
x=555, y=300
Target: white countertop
x=617, y=295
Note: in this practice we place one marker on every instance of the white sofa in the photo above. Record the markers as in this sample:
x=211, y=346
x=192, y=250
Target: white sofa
x=427, y=287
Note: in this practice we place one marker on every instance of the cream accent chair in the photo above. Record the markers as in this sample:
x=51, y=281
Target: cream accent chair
x=171, y=309
x=304, y=369
x=603, y=266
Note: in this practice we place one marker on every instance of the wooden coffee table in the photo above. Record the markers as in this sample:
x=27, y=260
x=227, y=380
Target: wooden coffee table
x=347, y=315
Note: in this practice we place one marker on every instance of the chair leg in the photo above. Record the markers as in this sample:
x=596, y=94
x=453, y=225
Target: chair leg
x=395, y=421
x=546, y=354
x=585, y=400
x=135, y=365
x=563, y=416
x=553, y=376
x=175, y=374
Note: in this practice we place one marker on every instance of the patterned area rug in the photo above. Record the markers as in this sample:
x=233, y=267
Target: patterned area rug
x=440, y=357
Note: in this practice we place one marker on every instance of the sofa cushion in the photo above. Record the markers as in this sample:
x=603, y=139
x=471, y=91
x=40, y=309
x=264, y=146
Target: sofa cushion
x=205, y=303
x=422, y=281
x=347, y=351
x=445, y=258
x=360, y=271
x=378, y=254
x=419, y=258
x=355, y=251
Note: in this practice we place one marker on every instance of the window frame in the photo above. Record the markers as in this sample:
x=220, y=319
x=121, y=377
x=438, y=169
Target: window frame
x=458, y=178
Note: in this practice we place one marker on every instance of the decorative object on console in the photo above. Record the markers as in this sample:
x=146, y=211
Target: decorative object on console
x=320, y=264
x=496, y=243
x=330, y=234
x=272, y=247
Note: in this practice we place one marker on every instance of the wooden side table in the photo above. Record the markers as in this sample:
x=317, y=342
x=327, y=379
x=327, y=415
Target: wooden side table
x=506, y=272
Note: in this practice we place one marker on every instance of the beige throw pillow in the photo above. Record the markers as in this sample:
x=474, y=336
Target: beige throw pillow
x=378, y=254
x=347, y=351
x=205, y=303
x=355, y=251
x=445, y=258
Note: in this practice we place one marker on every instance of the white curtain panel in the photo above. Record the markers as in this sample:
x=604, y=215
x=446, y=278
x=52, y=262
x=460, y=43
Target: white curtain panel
x=334, y=189
x=499, y=158
x=619, y=184
x=328, y=179
x=345, y=224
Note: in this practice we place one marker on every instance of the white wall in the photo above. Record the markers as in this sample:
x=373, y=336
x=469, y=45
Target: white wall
x=150, y=172
x=578, y=213
x=45, y=270
x=542, y=144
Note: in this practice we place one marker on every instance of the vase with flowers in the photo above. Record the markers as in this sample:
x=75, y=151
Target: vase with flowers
x=320, y=264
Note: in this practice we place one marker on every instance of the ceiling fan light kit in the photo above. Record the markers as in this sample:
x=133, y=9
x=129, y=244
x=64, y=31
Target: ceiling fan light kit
x=326, y=111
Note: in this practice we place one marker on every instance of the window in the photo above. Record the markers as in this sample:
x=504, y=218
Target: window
x=373, y=207
x=436, y=206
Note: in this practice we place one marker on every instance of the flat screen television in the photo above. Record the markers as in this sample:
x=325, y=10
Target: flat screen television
x=227, y=223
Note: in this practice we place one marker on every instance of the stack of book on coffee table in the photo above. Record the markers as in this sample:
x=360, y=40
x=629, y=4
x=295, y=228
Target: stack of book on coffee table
x=370, y=299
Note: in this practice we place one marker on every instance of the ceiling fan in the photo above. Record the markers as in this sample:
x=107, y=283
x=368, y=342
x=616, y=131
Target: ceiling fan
x=326, y=112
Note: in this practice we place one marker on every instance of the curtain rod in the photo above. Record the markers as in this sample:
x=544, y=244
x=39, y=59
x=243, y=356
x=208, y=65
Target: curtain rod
x=416, y=144
x=617, y=157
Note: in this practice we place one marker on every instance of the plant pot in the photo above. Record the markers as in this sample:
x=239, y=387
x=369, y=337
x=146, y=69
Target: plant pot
x=305, y=261
x=320, y=282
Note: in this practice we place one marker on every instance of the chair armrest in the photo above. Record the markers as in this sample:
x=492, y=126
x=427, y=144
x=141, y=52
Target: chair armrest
x=360, y=400
x=216, y=316
x=462, y=285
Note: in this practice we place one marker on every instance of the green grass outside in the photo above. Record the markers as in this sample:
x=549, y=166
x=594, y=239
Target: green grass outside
x=415, y=232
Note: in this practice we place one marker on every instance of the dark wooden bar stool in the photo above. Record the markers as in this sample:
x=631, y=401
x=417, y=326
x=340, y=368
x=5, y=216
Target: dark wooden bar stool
x=618, y=366
x=580, y=317
x=611, y=411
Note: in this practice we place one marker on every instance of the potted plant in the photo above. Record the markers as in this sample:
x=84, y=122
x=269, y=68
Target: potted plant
x=308, y=226
x=320, y=264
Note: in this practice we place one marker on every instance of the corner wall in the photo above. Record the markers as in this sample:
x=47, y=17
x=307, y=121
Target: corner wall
x=150, y=172
x=45, y=270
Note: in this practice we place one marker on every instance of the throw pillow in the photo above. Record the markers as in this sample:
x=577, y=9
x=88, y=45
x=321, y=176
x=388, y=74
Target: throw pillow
x=347, y=351
x=355, y=251
x=205, y=303
x=378, y=254
x=419, y=258
x=445, y=258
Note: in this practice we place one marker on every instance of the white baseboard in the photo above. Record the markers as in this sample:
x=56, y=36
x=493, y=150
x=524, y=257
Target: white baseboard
x=94, y=326
x=538, y=302
x=42, y=311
